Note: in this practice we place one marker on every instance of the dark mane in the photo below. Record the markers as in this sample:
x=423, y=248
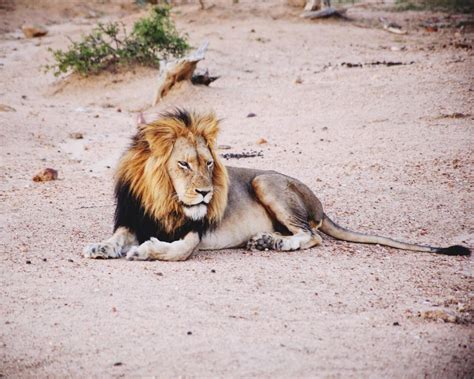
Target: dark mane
x=180, y=115
x=131, y=214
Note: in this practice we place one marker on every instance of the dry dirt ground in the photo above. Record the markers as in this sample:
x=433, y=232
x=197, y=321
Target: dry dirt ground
x=387, y=149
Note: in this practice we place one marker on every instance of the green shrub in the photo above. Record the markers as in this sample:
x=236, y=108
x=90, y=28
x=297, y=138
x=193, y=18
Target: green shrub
x=153, y=38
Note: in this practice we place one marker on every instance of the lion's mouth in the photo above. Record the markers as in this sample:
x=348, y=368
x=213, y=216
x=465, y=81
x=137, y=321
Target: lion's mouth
x=195, y=211
x=194, y=205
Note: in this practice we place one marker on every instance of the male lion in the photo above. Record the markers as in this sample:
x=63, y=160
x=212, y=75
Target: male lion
x=175, y=196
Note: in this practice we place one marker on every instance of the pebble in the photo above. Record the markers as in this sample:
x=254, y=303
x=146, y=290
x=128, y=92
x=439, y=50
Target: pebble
x=46, y=175
x=76, y=135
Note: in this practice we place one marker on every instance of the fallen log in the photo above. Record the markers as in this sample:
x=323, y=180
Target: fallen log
x=177, y=71
x=392, y=27
x=325, y=13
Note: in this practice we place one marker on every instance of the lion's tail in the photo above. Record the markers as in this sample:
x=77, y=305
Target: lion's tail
x=330, y=228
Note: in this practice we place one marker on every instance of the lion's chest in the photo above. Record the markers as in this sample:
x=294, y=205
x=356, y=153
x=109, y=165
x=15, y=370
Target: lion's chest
x=237, y=227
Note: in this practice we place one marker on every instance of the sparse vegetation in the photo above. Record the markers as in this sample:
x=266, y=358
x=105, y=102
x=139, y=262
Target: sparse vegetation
x=444, y=5
x=109, y=46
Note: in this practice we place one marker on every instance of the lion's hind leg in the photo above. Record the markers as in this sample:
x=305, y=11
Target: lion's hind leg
x=114, y=247
x=279, y=195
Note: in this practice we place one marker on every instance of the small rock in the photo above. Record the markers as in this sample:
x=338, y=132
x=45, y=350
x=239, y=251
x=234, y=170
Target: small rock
x=45, y=260
x=298, y=80
x=398, y=48
x=119, y=110
x=76, y=135
x=118, y=364
x=70, y=260
x=28, y=262
x=251, y=115
x=224, y=147
x=46, y=175
x=114, y=309
x=6, y=108
x=213, y=271
x=461, y=308
x=396, y=323
x=262, y=141
x=31, y=31
x=189, y=333
x=431, y=29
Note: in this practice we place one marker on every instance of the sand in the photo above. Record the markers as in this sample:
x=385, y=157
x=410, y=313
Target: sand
x=386, y=149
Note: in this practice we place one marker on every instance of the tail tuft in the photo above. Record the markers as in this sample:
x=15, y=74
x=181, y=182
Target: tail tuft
x=453, y=250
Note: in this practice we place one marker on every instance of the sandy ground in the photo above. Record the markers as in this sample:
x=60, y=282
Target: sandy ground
x=381, y=146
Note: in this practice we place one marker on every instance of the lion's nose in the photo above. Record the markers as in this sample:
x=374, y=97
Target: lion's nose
x=202, y=192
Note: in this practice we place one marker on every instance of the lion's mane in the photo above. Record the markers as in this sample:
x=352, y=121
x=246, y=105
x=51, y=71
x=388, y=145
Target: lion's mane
x=146, y=200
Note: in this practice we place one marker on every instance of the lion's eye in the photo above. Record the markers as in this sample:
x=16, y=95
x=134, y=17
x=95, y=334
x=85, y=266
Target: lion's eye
x=184, y=165
x=210, y=163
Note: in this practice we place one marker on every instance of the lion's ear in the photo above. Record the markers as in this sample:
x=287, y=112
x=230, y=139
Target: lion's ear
x=208, y=127
x=140, y=120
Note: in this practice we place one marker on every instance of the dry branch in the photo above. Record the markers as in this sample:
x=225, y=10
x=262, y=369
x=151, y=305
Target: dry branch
x=391, y=27
x=324, y=13
x=177, y=71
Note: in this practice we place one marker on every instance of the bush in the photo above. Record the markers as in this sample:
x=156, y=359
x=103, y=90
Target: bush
x=153, y=38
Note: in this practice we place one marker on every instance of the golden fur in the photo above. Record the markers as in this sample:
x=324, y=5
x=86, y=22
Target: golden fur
x=144, y=167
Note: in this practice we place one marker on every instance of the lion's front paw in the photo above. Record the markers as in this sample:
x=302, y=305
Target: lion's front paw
x=102, y=250
x=137, y=253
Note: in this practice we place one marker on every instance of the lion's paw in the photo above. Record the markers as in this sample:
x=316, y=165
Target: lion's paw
x=264, y=241
x=137, y=253
x=102, y=250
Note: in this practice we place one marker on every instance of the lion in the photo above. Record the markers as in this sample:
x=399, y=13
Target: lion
x=174, y=196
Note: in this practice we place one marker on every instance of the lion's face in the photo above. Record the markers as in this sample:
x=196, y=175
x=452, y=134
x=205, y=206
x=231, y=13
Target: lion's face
x=190, y=168
x=174, y=170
